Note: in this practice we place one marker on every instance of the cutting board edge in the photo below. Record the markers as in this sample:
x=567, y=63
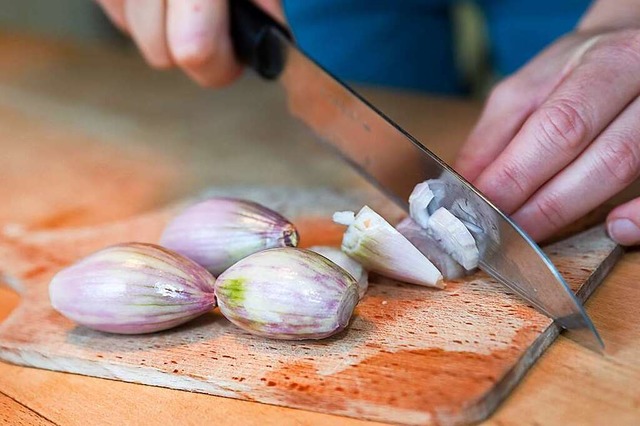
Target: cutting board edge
x=109, y=371
x=157, y=378
x=489, y=402
x=472, y=413
x=598, y=276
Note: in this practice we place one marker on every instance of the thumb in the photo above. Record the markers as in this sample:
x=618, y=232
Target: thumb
x=623, y=223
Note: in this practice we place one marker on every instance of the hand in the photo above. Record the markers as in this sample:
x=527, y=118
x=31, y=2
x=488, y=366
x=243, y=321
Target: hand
x=562, y=135
x=190, y=34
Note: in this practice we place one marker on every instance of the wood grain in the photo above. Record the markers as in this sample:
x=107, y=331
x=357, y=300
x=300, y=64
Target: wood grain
x=570, y=385
x=14, y=413
x=411, y=355
x=69, y=399
x=94, y=96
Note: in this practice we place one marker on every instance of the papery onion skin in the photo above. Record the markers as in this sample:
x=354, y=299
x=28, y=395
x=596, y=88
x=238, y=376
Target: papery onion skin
x=338, y=257
x=218, y=232
x=132, y=288
x=287, y=293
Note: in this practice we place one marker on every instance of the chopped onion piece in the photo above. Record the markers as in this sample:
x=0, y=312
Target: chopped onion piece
x=379, y=247
x=344, y=218
x=454, y=238
x=424, y=242
x=419, y=201
x=425, y=199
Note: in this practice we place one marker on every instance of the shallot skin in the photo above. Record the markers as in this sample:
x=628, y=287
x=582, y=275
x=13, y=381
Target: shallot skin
x=287, y=293
x=218, y=232
x=132, y=288
x=338, y=257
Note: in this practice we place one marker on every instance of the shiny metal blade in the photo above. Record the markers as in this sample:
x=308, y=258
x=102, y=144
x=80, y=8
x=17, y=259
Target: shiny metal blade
x=395, y=162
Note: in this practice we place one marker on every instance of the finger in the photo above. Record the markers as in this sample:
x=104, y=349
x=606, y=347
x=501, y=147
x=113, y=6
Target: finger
x=509, y=105
x=146, y=23
x=623, y=223
x=198, y=37
x=505, y=111
x=608, y=166
x=115, y=11
x=578, y=110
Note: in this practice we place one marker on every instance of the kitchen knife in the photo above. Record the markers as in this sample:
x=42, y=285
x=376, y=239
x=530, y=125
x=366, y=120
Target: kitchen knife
x=394, y=161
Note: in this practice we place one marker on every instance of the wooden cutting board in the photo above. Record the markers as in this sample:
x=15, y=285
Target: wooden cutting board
x=411, y=355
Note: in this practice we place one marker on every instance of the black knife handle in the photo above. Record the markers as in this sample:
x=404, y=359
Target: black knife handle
x=252, y=32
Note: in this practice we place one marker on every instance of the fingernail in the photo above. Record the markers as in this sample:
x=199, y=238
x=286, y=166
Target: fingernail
x=624, y=232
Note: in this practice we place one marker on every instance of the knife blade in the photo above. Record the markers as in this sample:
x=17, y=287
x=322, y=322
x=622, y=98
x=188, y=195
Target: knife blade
x=394, y=161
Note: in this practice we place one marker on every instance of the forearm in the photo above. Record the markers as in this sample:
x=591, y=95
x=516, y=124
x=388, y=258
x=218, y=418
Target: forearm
x=610, y=14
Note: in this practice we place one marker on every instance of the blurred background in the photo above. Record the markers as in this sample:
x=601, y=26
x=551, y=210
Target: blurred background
x=65, y=18
x=83, y=20
x=89, y=133
x=441, y=47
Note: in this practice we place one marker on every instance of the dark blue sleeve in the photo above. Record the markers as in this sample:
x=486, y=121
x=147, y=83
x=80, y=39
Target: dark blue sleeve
x=409, y=43
x=399, y=43
x=519, y=29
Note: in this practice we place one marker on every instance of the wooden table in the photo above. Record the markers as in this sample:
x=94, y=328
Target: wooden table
x=89, y=134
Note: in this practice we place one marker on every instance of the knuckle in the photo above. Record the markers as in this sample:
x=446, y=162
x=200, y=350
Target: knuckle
x=620, y=160
x=562, y=127
x=512, y=178
x=551, y=208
